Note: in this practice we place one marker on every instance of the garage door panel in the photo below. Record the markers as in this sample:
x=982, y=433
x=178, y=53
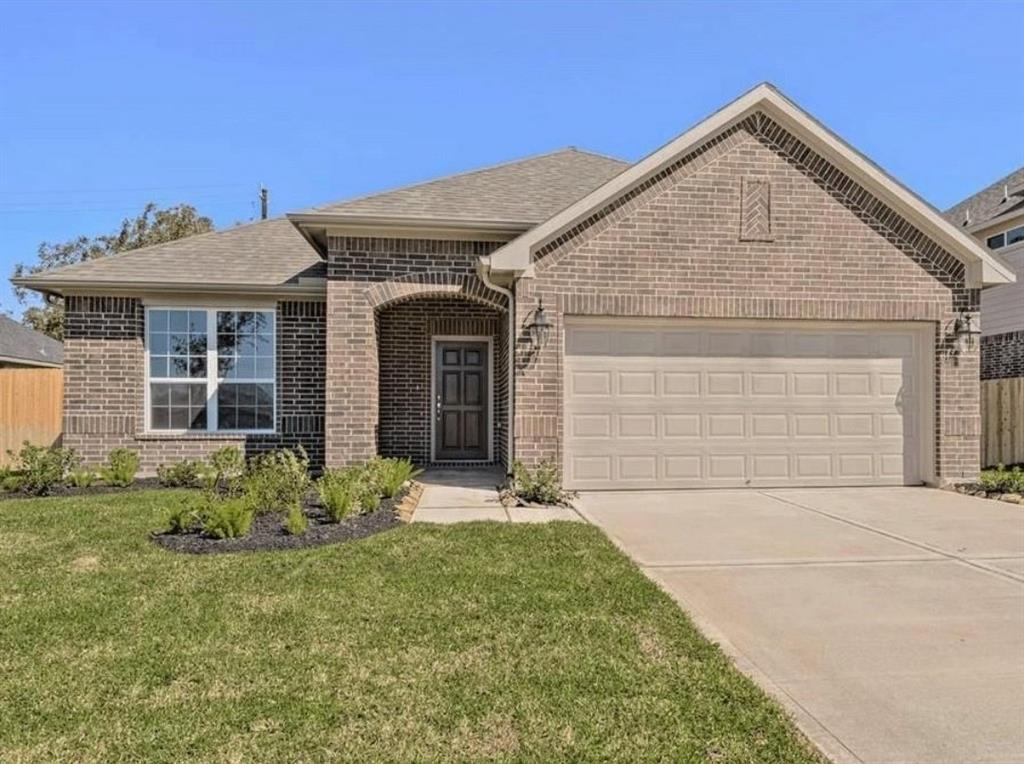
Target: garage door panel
x=690, y=415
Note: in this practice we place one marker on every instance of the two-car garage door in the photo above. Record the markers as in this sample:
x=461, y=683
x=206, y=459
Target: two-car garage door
x=697, y=404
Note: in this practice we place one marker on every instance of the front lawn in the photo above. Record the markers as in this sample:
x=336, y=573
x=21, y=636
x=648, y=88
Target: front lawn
x=424, y=643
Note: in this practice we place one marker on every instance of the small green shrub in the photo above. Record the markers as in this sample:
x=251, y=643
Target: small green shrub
x=369, y=496
x=276, y=480
x=226, y=518
x=227, y=464
x=183, y=474
x=121, y=467
x=389, y=475
x=541, y=486
x=183, y=519
x=1001, y=479
x=296, y=523
x=11, y=483
x=81, y=477
x=340, y=492
x=41, y=468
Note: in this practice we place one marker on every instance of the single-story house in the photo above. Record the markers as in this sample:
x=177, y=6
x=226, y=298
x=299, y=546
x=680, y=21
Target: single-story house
x=753, y=304
x=995, y=216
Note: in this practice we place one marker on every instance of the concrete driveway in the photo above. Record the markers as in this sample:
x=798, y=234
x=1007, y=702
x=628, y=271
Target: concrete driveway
x=889, y=621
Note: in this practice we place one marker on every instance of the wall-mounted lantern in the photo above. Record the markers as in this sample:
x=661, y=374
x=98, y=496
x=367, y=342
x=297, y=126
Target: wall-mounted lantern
x=539, y=327
x=966, y=330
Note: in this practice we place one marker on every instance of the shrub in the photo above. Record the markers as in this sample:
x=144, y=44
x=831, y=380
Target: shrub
x=369, y=496
x=225, y=518
x=541, y=486
x=1001, y=479
x=389, y=475
x=41, y=467
x=183, y=519
x=296, y=523
x=340, y=492
x=277, y=480
x=80, y=477
x=121, y=467
x=183, y=474
x=227, y=465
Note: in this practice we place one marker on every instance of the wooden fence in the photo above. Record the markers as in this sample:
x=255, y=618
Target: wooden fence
x=1002, y=421
x=31, y=407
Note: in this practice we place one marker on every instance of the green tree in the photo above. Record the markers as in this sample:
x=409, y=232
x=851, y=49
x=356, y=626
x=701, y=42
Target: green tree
x=152, y=226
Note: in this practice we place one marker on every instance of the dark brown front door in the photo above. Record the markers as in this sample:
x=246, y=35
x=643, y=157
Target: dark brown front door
x=460, y=401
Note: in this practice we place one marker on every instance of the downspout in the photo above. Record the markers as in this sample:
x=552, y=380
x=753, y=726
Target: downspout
x=483, y=270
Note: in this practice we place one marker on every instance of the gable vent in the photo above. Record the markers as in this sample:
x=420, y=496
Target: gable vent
x=755, y=210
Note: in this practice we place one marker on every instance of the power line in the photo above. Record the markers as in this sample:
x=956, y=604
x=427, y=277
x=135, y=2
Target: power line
x=120, y=190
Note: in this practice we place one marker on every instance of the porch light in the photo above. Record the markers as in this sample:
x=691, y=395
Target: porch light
x=539, y=326
x=966, y=330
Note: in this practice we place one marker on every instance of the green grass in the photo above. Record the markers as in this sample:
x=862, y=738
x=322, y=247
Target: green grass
x=463, y=643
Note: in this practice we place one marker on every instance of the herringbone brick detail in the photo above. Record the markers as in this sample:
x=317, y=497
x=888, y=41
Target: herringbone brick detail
x=756, y=211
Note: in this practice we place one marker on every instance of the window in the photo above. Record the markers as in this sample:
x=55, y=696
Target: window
x=1006, y=238
x=210, y=370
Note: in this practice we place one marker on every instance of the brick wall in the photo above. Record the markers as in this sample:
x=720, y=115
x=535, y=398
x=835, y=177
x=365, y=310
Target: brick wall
x=104, y=378
x=1002, y=355
x=404, y=334
x=676, y=247
x=367, y=275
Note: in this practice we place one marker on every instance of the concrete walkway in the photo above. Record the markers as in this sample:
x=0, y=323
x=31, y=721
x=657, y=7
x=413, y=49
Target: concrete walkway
x=465, y=495
x=889, y=622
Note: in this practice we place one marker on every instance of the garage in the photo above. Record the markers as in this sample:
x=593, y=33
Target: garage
x=728, y=404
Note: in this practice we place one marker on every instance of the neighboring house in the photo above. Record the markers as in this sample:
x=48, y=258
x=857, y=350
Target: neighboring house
x=995, y=216
x=21, y=346
x=31, y=387
x=753, y=304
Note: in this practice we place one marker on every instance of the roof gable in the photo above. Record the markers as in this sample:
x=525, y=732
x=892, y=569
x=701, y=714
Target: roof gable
x=982, y=267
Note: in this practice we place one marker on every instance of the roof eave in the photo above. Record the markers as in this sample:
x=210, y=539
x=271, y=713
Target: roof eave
x=988, y=271
x=30, y=362
x=61, y=287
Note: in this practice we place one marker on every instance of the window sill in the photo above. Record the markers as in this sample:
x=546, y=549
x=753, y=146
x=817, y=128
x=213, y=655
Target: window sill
x=194, y=435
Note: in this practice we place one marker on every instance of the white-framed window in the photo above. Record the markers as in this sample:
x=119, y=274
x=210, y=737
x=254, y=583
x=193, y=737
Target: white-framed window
x=210, y=370
x=1006, y=238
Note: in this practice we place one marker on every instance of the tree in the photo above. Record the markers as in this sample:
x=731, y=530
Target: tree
x=152, y=226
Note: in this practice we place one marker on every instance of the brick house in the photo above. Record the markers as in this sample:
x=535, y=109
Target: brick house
x=995, y=217
x=753, y=304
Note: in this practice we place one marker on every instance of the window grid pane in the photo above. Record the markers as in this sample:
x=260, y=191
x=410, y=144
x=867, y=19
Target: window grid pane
x=242, y=382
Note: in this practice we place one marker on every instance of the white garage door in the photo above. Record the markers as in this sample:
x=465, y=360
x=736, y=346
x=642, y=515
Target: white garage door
x=699, y=404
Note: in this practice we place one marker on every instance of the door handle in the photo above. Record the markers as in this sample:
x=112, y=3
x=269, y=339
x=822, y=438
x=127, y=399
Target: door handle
x=438, y=407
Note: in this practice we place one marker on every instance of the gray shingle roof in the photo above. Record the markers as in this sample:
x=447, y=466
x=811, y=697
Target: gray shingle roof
x=526, y=191
x=267, y=253
x=990, y=203
x=20, y=342
x=273, y=252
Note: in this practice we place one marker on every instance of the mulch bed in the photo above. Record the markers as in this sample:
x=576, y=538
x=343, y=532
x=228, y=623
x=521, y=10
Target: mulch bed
x=267, y=531
x=140, y=484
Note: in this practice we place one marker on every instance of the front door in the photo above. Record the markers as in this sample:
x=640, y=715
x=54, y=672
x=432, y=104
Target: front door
x=461, y=406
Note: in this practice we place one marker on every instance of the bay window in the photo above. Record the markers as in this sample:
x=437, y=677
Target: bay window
x=210, y=370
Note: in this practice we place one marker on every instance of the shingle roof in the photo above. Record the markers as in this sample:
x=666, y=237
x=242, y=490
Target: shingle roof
x=991, y=202
x=525, y=191
x=266, y=253
x=28, y=345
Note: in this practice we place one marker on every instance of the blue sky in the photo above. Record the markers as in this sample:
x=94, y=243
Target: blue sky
x=104, y=107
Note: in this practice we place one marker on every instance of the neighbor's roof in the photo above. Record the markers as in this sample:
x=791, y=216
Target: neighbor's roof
x=20, y=344
x=1003, y=197
x=266, y=254
x=527, y=191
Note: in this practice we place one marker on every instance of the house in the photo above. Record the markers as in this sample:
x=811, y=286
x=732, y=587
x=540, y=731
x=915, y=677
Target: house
x=753, y=304
x=31, y=388
x=995, y=216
